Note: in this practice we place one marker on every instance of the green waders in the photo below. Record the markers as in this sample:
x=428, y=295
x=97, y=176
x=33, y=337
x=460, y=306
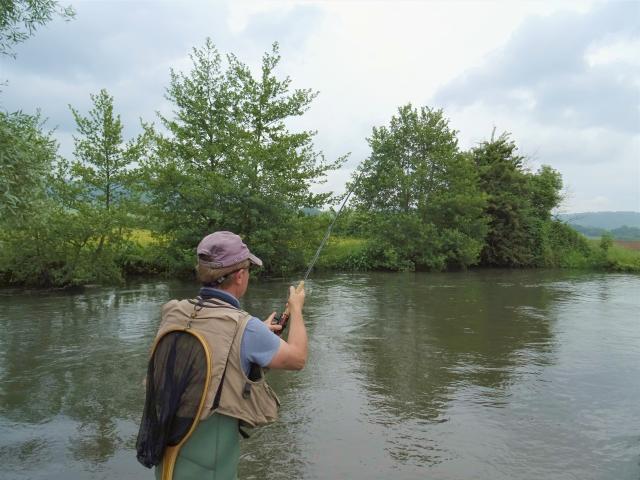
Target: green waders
x=211, y=453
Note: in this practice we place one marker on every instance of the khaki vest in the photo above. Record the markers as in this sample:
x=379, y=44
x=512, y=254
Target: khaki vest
x=221, y=326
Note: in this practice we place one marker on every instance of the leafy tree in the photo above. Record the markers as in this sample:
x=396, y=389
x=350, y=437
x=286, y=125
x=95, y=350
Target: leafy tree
x=76, y=231
x=519, y=204
x=104, y=160
x=504, y=181
x=41, y=240
x=26, y=156
x=101, y=177
x=19, y=20
x=544, y=188
x=421, y=192
x=229, y=160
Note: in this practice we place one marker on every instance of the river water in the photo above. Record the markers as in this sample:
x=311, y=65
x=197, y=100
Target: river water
x=477, y=375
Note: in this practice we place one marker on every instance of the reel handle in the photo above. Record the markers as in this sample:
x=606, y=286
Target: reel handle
x=283, y=318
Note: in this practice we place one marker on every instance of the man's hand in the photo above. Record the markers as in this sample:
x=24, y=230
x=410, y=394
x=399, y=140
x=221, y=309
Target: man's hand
x=273, y=327
x=292, y=354
x=296, y=299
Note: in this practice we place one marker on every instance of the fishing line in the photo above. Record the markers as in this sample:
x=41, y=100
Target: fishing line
x=326, y=235
x=283, y=318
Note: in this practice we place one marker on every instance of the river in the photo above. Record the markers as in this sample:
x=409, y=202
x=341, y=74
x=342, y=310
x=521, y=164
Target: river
x=486, y=374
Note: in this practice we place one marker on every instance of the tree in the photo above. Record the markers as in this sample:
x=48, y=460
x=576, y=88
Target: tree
x=422, y=193
x=26, y=156
x=43, y=240
x=104, y=160
x=102, y=176
x=19, y=20
x=519, y=204
x=229, y=161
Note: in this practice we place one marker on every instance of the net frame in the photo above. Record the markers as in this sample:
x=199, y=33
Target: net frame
x=172, y=451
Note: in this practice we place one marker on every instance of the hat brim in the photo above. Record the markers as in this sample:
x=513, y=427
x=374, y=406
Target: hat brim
x=255, y=260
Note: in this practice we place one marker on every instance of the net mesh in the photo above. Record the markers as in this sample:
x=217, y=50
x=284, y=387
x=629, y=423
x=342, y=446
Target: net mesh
x=176, y=378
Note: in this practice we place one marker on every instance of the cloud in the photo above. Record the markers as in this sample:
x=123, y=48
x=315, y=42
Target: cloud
x=129, y=49
x=548, y=70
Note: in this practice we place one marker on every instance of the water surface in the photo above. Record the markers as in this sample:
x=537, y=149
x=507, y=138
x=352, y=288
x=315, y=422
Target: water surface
x=487, y=375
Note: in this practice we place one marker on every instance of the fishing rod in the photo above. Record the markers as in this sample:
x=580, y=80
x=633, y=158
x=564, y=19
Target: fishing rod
x=283, y=318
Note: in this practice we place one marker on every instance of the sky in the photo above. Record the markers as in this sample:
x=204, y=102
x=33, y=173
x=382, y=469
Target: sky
x=562, y=77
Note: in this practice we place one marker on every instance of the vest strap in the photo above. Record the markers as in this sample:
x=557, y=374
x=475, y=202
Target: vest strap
x=216, y=400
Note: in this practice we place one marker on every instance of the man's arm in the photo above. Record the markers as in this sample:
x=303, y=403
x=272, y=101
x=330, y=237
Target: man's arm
x=292, y=354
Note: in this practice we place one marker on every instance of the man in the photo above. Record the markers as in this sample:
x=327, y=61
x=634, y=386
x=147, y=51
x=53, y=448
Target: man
x=205, y=378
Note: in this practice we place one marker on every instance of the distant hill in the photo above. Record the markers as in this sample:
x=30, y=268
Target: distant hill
x=602, y=220
x=622, y=233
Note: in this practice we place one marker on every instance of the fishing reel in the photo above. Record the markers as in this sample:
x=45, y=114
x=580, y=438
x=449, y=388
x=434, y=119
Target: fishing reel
x=281, y=319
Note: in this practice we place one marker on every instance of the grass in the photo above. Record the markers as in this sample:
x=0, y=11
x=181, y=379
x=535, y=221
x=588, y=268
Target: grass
x=341, y=253
x=619, y=257
x=144, y=237
x=622, y=259
x=349, y=253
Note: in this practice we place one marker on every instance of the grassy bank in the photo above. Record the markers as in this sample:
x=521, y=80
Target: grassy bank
x=345, y=253
x=619, y=257
x=354, y=254
x=143, y=253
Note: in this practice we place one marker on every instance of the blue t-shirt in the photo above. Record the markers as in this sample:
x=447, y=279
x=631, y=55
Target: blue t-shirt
x=259, y=344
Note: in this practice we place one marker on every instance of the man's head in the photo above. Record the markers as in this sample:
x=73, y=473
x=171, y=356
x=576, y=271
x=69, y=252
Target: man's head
x=224, y=261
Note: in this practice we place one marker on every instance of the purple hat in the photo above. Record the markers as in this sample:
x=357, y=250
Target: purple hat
x=224, y=249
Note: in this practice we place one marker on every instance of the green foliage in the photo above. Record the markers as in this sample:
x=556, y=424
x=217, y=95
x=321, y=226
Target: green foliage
x=76, y=232
x=619, y=259
x=26, y=157
x=352, y=223
x=104, y=162
x=421, y=195
x=229, y=161
x=606, y=241
x=563, y=247
x=519, y=204
x=19, y=20
x=55, y=248
x=344, y=253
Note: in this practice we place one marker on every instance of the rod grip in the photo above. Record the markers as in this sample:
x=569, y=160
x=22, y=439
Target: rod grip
x=298, y=289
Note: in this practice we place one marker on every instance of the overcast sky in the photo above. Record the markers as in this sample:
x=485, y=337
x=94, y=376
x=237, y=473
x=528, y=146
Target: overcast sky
x=562, y=77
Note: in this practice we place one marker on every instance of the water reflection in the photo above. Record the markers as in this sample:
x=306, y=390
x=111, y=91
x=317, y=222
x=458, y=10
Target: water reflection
x=450, y=339
x=74, y=359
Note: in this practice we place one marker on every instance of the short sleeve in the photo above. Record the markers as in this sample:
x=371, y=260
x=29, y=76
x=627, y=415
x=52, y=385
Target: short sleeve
x=259, y=344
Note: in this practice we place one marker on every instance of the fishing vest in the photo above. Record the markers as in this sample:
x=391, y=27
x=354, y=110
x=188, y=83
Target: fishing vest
x=230, y=392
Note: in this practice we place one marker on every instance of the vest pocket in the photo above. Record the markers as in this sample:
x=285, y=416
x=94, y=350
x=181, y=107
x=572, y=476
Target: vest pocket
x=262, y=401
